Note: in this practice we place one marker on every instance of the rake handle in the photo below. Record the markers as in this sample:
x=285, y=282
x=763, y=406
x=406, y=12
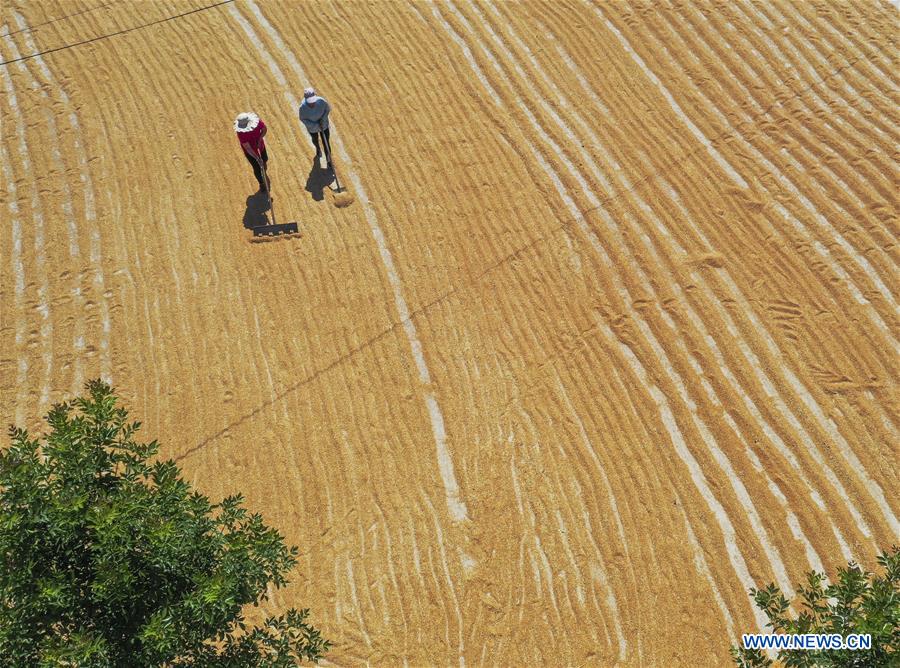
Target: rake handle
x=268, y=190
x=327, y=143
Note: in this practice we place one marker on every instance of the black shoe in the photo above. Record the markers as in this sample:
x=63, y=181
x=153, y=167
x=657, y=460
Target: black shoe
x=318, y=155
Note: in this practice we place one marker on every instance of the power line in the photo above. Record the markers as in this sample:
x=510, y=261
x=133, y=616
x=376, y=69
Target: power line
x=113, y=34
x=61, y=18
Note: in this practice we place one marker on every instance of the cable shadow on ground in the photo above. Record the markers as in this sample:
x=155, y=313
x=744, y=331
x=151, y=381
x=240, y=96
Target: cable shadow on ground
x=569, y=221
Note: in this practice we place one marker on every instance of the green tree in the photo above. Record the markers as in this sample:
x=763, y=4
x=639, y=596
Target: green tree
x=858, y=602
x=111, y=560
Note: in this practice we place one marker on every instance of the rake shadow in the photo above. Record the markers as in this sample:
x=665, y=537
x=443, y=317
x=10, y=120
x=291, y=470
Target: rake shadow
x=318, y=180
x=257, y=205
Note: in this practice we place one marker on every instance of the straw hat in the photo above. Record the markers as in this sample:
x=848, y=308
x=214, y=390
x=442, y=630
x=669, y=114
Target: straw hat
x=246, y=122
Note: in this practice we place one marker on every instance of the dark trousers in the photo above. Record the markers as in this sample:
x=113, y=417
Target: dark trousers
x=257, y=172
x=326, y=140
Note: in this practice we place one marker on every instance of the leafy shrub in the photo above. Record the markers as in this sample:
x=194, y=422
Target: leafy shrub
x=858, y=602
x=111, y=560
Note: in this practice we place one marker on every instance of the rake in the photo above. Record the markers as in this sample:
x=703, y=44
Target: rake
x=273, y=229
x=327, y=143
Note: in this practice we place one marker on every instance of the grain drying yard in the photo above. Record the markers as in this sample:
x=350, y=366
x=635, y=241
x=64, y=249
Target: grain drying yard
x=608, y=335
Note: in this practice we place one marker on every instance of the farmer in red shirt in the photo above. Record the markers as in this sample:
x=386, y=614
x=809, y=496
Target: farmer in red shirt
x=250, y=132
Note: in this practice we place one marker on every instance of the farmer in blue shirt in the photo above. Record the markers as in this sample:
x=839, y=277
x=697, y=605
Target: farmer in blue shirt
x=314, y=112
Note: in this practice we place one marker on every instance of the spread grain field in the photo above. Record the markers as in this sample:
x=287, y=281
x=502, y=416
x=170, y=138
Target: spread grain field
x=608, y=335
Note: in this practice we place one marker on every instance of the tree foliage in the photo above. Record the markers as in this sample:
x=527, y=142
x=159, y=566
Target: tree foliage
x=858, y=602
x=109, y=559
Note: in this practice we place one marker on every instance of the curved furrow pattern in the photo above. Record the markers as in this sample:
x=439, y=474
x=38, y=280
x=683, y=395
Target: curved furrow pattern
x=97, y=293
x=824, y=422
x=802, y=61
x=627, y=187
x=871, y=65
x=41, y=324
x=731, y=329
x=17, y=279
x=656, y=352
x=607, y=335
x=774, y=352
x=807, y=146
x=807, y=220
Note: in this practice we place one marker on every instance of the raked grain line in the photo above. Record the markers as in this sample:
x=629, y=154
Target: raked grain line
x=818, y=246
x=589, y=448
x=735, y=558
x=441, y=543
x=829, y=230
x=854, y=181
x=791, y=54
x=528, y=515
x=356, y=606
x=522, y=585
x=825, y=229
x=718, y=455
x=876, y=158
x=599, y=566
x=738, y=296
x=455, y=505
x=90, y=212
x=825, y=422
x=826, y=232
x=671, y=426
x=840, y=40
x=537, y=155
x=527, y=538
x=700, y=563
x=18, y=271
x=867, y=83
x=835, y=79
x=43, y=290
x=363, y=559
x=576, y=214
x=697, y=277
x=78, y=344
x=702, y=567
x=806, y=59
x=638, y=425
x=393, y=576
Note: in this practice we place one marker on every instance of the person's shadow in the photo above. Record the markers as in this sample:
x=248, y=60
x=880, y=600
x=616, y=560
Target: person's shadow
x=318, y=180
x=257, y=205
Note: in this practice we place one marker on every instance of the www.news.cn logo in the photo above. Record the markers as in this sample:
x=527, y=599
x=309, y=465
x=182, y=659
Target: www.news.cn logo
x=808, y=641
